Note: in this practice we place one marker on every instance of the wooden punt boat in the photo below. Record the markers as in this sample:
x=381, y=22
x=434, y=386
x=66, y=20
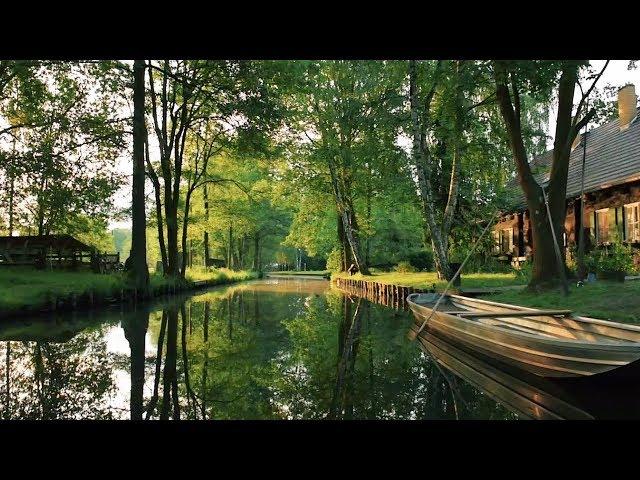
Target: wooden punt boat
x=548, y=343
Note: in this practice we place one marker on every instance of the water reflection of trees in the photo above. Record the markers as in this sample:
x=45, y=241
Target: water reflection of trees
x=334, y=357
x=48, y=380
x=241, y=353
x=369, y=370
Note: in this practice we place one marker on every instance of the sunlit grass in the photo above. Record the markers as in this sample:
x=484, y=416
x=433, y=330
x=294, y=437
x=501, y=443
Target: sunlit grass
x=606, y=300
x=219, y=276
x=428, y=279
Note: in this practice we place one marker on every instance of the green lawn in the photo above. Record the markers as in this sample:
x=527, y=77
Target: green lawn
x=219, y=276
x=427, y=279
x=28, y=288
x=615, y=301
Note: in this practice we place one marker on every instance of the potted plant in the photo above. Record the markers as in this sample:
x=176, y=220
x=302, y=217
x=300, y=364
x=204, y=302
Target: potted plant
x=612, y=262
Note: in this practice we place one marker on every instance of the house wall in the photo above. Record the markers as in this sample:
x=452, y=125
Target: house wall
x=515, y=223
x=611, y=197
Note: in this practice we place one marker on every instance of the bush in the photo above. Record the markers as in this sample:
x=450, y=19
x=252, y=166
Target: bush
x=525, y=271
x=611, y=258
x=405, y=267
x=334, y=260
x=421, y=260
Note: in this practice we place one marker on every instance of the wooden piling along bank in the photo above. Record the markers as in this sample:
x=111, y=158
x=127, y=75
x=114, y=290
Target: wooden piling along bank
x=394, y=296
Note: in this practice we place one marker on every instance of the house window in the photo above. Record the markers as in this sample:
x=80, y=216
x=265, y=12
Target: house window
x=496, y=241
x=605, y=222
x=506, y=240
x=632, y=222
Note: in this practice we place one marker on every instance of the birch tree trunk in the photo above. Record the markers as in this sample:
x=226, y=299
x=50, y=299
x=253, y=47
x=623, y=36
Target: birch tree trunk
x=422, y=162
x=206, y=233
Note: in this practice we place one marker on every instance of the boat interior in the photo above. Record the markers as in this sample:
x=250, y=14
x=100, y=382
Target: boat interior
x=553, y=324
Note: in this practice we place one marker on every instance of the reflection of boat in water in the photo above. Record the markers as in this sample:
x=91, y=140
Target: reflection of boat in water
x=515, y=394
x=529, y=395
x=548, y=343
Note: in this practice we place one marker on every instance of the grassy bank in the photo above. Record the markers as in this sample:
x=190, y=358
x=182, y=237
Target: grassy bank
x=219, y=276
x=615, y=301
x=428, y=279
x=25, y=290
x=606, y=300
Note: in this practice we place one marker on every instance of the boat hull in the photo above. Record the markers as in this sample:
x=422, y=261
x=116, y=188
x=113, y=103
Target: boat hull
x=544, y=355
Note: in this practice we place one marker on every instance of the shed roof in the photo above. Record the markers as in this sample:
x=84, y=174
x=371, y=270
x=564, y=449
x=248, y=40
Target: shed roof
x=62, y=242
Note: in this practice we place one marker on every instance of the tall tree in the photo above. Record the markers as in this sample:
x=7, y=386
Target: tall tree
x=338, y=103
x=511, y=79
x=441, y=96
x=68, y=138
x=139, y=270
x=220, y=104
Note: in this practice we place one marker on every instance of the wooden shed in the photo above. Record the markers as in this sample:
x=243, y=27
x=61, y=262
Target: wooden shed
x=52, y=251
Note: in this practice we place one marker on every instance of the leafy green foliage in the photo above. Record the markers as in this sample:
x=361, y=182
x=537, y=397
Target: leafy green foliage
x=334, y=261
x=616, y=257
x=422, y=260
x=405, y=267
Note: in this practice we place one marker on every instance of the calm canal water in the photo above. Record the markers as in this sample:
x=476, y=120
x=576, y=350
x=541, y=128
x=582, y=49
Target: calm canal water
x=268, y=349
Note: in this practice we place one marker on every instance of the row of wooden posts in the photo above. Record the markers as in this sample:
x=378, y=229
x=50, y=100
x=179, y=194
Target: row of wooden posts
x=394, y=296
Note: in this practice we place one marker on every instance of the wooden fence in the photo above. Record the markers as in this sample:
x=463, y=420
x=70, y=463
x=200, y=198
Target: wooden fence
x=394, y=296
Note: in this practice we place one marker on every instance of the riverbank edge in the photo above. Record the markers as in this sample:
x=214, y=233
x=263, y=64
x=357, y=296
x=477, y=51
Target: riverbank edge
x=88, y=299
x=320, y=274
x=623, y=311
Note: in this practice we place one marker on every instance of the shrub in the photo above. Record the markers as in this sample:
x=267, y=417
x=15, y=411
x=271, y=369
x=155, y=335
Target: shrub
x=405, y=267
x=334, y=260
x=525, y=270
x=421, y=260
x=611, y=258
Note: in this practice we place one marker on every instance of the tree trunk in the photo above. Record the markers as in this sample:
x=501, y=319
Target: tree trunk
x=256, y=248
x=206, y=233
x=367, y=246
x=346, y=213
x=422, y=163
x=139, y=270
x=230, y=248
x=350, y=230
x=345, y=252
x=171, y=215
x=11, y=195
x=185, y=226
x=547, y=268
x=157, y=192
